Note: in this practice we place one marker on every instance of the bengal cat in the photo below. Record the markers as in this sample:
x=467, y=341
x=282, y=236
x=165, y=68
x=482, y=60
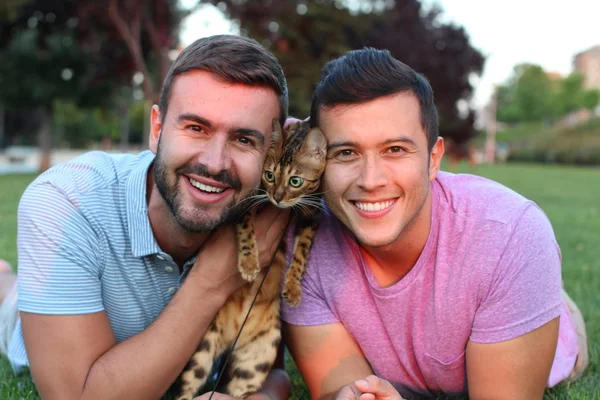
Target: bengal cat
x=291, y=176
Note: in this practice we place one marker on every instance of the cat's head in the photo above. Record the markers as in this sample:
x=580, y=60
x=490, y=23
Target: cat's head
x=294, y=163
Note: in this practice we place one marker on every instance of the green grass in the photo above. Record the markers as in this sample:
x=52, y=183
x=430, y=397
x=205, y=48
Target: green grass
x=569, y=195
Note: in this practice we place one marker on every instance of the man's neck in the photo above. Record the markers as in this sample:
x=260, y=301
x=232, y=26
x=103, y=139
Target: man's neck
x=171, y=238
x=391, y=263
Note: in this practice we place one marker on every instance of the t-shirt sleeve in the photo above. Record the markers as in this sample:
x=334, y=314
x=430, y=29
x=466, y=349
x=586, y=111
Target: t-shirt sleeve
x=313, y=309
x=59, y=255
x=525, y=290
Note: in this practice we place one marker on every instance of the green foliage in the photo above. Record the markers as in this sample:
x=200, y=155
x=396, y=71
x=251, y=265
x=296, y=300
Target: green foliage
x=532, y=95
x=568, y=195
x=527, y=96
x=36, y=70
x=77, y=127
x=305, y=34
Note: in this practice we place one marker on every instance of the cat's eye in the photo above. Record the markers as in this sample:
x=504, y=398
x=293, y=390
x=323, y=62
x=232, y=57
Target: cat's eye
x=296, y=181
x=269, y=176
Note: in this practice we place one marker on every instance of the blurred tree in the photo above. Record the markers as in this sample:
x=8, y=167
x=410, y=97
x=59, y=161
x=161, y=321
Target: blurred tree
x=84, y=50
x=35, y=72
x=527, y=96
x=531, y=94
x=305, y=34
x=571, y=94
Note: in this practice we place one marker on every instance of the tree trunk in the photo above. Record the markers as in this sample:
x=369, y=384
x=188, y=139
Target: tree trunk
x=45, y=137
x=2, y=138
x=124, y=107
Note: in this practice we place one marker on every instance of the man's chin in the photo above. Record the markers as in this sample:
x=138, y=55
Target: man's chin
x=374, y=238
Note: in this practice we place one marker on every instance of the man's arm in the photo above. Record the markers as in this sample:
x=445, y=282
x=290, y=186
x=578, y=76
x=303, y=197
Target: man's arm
x=75, y=357
x=514, y=369
x=328, y=358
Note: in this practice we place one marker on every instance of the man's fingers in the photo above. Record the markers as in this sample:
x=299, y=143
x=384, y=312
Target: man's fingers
x=348, y=392
x=367, y=396
x=271, y=222
x=380, y=388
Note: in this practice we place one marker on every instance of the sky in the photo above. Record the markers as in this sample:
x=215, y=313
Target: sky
x=507, y=32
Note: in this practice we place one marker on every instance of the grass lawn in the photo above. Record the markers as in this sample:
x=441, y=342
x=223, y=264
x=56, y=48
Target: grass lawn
x=570, y=197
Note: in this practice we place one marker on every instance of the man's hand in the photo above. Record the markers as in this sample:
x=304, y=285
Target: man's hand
x=215, y=267
x=375, y=388
x=269, y=225
x=370, y=388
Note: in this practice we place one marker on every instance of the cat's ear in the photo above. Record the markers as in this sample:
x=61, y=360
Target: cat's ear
x=314, y=148
x=315, y=142
x=277, y=136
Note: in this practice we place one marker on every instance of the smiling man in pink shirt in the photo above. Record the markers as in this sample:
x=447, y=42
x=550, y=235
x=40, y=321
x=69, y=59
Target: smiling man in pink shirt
x=421, y=282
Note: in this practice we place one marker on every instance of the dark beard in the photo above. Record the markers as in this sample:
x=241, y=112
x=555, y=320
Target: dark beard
x=197, y=222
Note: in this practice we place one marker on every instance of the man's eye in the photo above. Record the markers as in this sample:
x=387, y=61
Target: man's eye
x=396, y=149
x=244, y=140
x=196, y=128
x=345, y=153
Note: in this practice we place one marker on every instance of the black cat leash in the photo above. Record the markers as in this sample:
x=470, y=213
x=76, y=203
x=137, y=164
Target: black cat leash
x=222, y=371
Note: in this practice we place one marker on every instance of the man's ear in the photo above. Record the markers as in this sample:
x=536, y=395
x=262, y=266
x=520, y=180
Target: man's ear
x=435, y=158
x=155, y=128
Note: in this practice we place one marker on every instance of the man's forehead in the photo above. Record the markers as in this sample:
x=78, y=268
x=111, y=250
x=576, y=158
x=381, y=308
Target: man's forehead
x=381, y=120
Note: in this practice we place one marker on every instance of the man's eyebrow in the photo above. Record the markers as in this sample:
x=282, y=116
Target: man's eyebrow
x=402, y=139
x=251, y=132
x=349, y=143
x=186, y=117
x=190, y=117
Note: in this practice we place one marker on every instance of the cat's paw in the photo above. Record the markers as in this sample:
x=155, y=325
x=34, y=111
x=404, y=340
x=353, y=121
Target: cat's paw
x=292, y=294
x=249, y=274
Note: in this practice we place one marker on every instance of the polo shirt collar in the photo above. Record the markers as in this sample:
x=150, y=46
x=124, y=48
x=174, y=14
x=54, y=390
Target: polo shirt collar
x=140, y=232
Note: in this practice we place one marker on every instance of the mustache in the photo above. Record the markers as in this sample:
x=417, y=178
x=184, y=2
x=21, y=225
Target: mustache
x=225, y=176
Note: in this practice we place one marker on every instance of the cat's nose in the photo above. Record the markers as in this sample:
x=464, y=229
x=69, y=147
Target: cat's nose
x=278, y=197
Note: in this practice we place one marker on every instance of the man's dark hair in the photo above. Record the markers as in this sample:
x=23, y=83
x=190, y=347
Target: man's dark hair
x=366, y=74
x=234, y=59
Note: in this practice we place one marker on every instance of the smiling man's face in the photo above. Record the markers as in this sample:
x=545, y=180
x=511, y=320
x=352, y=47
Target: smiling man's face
x=378, y=166
x=211, y=147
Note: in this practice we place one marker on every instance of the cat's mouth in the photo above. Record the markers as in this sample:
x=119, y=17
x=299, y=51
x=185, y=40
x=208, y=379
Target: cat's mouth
x=373, y=206
x=206, y=188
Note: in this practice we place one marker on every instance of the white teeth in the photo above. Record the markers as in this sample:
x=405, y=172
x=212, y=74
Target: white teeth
x=206, y=188
x=373, y=206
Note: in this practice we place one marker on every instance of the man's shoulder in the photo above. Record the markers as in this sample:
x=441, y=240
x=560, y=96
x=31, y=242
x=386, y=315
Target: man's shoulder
x=90, y=171
x=479, y=199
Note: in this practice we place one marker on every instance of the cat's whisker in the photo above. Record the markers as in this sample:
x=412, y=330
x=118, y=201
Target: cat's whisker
x=319, y=193
x=253, y=197
x=312, y=203
x=302, y=208
x=256, y=202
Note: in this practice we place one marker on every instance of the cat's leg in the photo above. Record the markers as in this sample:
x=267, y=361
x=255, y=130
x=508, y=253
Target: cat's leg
x=248, y=263
x=292, y=287
x=251, y=363
x=197, y=371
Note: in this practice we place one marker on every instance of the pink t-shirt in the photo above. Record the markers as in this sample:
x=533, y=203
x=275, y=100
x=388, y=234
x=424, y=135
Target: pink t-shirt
x=489, y=272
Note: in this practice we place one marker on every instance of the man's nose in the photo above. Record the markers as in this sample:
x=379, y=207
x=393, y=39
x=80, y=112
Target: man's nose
x=372, y=174
x=217, y=155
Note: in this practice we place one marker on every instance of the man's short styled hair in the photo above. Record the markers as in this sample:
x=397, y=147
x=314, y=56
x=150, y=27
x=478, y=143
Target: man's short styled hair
x=366, y=74
x=234, y=59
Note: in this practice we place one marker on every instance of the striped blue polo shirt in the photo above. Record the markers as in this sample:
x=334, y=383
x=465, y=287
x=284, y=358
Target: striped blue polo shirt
x=85, y=245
